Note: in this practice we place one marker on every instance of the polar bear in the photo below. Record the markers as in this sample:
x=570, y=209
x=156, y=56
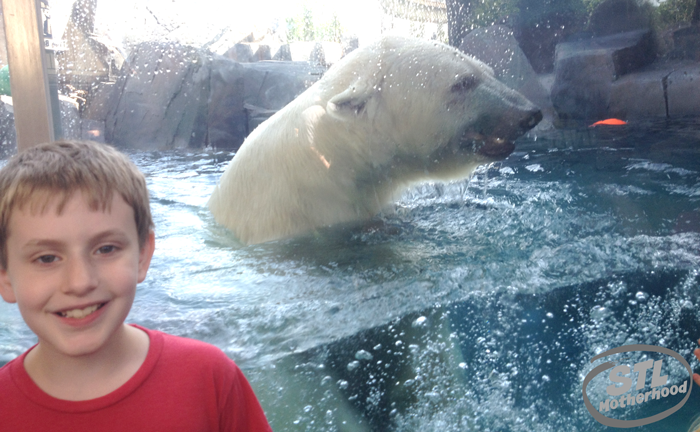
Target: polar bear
x=390, y=114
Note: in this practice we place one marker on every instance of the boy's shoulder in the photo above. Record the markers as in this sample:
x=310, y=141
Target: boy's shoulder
x=189, y=353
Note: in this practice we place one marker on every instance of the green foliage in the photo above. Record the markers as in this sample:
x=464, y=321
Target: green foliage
x=306, y=27
x=590, y=5
x=674, y=12
x=483, y=13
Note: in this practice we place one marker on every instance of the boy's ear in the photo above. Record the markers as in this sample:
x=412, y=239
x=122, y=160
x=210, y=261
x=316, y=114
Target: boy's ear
x=145, y=255
x=6, y=291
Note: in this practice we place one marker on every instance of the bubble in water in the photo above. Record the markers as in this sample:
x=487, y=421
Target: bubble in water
x=342, y=384
x=599, y=313
x=419, y=322
x=641, y=296
x=363, y=355
x=353, y=365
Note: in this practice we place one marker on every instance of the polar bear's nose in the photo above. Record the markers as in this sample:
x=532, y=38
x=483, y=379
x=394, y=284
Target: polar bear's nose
x=533, y=118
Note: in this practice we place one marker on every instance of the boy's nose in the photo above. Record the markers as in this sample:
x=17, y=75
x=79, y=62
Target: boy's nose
x=80, y=276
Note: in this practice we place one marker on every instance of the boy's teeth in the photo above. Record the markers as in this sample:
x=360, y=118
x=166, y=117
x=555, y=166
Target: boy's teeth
x=79, y=313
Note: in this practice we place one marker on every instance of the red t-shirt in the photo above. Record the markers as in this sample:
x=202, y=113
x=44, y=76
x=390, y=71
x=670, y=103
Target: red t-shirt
x=183, y=385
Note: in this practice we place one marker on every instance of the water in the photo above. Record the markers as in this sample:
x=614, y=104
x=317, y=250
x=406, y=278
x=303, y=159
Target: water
x=473, y=305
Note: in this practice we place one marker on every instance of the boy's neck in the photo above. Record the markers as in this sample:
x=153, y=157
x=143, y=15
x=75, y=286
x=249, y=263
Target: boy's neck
x=85, y=377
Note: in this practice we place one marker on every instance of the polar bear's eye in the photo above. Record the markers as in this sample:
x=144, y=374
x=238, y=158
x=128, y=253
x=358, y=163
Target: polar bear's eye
x=465, y=84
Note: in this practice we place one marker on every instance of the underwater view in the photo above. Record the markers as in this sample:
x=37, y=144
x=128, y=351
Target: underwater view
x=473, y=305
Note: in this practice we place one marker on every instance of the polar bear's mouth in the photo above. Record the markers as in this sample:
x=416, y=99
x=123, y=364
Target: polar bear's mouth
x=491, y=147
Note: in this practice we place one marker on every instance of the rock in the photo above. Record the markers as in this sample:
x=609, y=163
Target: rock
x=683, y=89
x=264, y=52
x=249, y=52
x=585, y=70
x=70, y=118
x=272, y=85
x=100, y=99
x=686, y=43
x=284, y=53
x=8, y=135
x=162, y=99
x=318, y=55
x=245, y=94
x=350, y=44
x=539, y=35
x=497, y=47
x=227, y=123
x=241, y=52
x=176, y=97
x=618, y=16
x=639, y=95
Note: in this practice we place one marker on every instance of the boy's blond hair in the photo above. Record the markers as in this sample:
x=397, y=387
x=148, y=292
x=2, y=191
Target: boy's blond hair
x=36, y=175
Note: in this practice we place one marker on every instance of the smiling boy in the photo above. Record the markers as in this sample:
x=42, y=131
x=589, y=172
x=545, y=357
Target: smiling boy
x=76, y=237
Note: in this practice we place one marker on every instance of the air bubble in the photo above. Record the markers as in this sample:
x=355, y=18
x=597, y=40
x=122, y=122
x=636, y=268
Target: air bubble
x=420, y=321
x=363, y=355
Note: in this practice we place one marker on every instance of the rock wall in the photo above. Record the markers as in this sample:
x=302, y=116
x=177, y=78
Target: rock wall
x=174, y=96
x=162, y=99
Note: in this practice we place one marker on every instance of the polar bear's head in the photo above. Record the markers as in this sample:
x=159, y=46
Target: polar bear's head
x=432, y=111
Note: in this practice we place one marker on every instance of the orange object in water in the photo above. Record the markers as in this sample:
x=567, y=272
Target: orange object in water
x=609, y=122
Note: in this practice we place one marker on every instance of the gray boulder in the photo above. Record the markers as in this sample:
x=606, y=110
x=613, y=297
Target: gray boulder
x=161, y=100
x=249, y=52
x=284, y=53
x=497, y=47
x=100, y=99
x=176, y=97
x=241, y=52
x=8, y=136
x=639, y=95
x=71, y=122
x=619, y=16
x=585, y=70
x=245, y=94
x=686, y=43
x=683, y=88
x=227, y=123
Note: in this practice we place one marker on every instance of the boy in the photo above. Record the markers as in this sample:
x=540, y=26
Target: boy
x=76, y=237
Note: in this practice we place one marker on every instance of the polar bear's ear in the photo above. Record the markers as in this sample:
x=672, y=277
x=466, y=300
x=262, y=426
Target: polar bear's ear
x=352, y=103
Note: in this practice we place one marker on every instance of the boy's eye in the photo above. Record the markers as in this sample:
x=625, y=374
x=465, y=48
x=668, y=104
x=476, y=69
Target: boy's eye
x=47, y=259
x=106, y=249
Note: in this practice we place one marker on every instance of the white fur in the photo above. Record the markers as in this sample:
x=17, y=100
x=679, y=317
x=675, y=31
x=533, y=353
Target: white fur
x=385, y=116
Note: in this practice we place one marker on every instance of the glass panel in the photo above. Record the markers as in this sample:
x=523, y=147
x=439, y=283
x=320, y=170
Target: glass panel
x=454, y=235
x=8, y=138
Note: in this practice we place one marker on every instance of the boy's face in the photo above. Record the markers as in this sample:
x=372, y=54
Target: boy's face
x=74, y=275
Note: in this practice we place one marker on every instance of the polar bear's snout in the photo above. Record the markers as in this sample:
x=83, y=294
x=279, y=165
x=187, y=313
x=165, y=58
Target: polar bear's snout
x=497, y=141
